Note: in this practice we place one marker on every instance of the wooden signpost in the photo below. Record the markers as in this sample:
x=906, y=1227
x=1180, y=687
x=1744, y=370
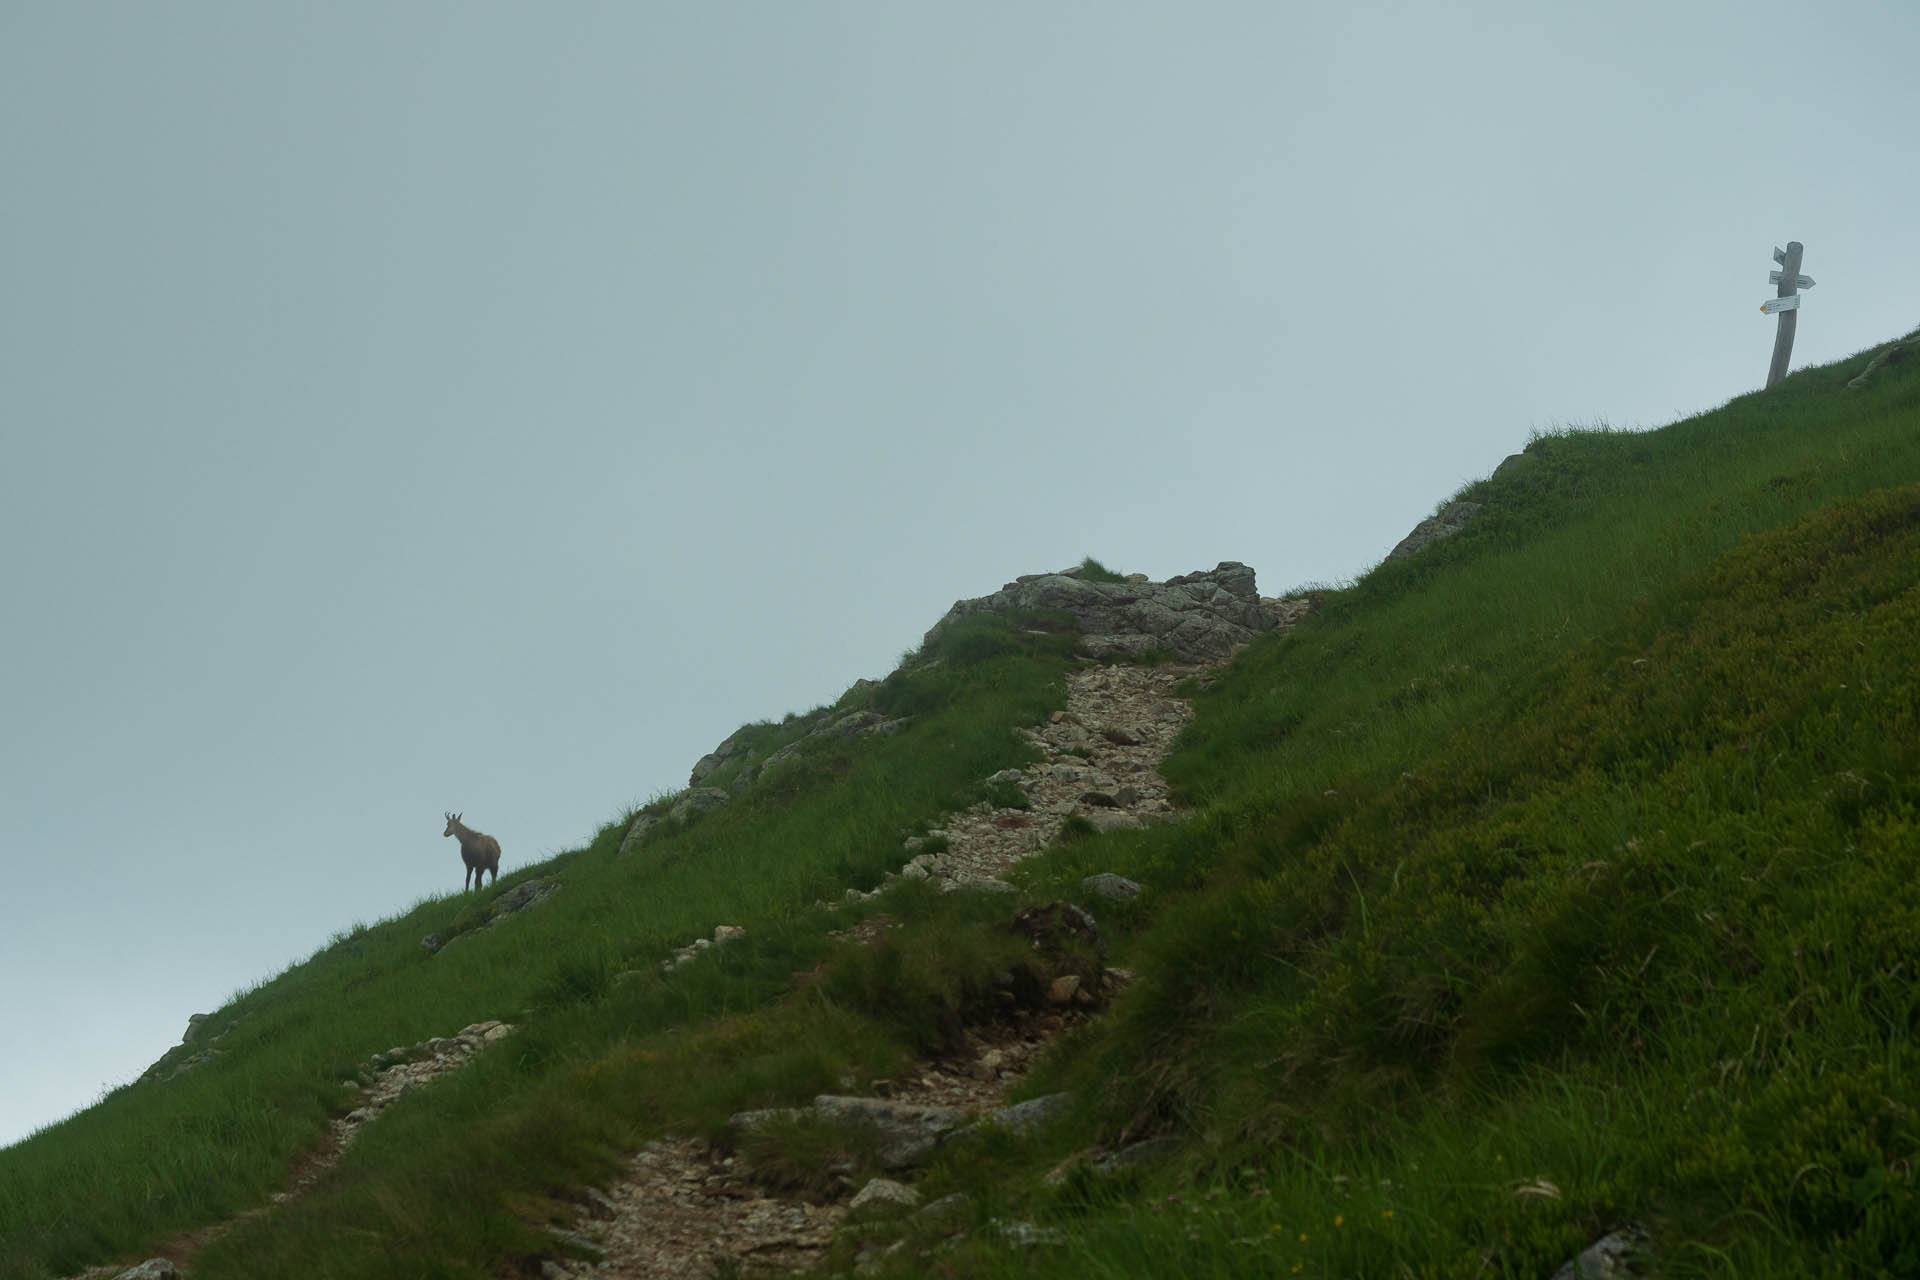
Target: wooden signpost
x=1786, y=305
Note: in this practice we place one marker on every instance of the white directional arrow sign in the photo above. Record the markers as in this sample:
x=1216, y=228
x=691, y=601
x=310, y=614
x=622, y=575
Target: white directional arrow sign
x=1785, y=308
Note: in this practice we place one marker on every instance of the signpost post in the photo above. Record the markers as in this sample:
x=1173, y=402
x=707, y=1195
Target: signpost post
x=1786, y=305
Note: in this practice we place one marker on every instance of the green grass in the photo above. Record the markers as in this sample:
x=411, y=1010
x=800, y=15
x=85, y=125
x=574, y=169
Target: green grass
x=155, y=1158
x=1092, y=570
x=1563, y=875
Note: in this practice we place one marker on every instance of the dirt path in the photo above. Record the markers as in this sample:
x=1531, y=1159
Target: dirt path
x=382, y=1081
x=686, y=1209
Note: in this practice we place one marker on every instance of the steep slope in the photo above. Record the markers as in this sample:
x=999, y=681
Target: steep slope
x=1556, y=877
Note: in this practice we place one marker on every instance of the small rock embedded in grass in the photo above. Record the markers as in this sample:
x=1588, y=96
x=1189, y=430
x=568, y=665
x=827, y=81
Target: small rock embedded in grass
x=1619, y=1254
x=1024, y=1235
x=980, y=886
x=905, y=1133
x=1023, y=1118
x=1108, y=885
x=949, y=1211
x=578, y=1243
x=151, y=1269
x=884, y=1194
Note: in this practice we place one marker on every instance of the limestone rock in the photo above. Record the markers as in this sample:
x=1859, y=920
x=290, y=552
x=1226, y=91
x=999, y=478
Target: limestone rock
x=905, y=1133
x=696, y=801
x=1893, y=354
x=1196, y=617
x=524, y=895
x=854, y=724
x=577, y=1243
x=151, y=1269
x=642, y=826
x=1024, y=1235
x=732, y=746
x=742, y=1122
x=1620, y=1253
x=510, y=902
x=885, y=1193
x=987, y=885
x=949, y=1211
x=1023, y=1118
x=1109, y=885
x=1144, y=1151
x=1452, y=519
x=1061, y=928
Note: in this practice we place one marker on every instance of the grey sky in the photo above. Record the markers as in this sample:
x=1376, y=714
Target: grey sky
x=491, y=406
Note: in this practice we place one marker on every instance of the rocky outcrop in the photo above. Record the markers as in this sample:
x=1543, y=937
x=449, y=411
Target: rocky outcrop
x=1452, y=519
x=638, y=830
x=527, y=893
x=179, y=1059
x=1893, y=354
x=695, y=801
x=854, y=724
x=700, y=799
x=1195, y=617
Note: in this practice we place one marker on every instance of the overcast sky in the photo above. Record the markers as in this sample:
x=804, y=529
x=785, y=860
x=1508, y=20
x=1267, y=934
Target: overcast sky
x=412, y=407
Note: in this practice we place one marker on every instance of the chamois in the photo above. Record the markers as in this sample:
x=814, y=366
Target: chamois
x=480, y=853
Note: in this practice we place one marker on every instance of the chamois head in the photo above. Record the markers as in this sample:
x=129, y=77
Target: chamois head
x=453, y=824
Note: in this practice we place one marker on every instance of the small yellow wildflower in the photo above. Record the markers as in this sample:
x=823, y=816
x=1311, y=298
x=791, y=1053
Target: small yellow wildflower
x=1386, y=1213
x=1303, y=1237
x=1339, y=1218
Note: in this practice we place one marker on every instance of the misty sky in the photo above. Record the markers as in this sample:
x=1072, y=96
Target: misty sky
x=408, y=407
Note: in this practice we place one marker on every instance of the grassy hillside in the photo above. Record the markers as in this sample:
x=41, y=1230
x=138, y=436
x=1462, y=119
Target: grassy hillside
x=1560, y=876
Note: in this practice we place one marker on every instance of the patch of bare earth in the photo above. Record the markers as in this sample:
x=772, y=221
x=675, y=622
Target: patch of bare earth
x=686, y=1209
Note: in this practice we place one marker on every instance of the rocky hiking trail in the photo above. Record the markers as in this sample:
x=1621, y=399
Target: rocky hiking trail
x=381, y=1082
x=687, y=1208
